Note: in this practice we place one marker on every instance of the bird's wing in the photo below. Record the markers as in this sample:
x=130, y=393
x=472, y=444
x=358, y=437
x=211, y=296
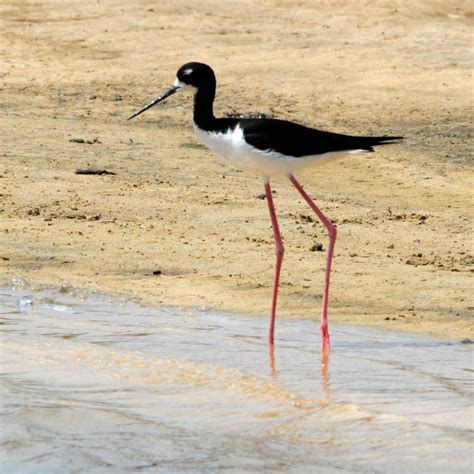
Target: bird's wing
x=296, y=140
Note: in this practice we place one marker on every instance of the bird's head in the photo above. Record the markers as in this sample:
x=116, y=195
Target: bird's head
x=195, y=75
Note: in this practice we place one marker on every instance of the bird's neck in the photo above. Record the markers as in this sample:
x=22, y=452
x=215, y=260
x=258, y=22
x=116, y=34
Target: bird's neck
x=203, y=114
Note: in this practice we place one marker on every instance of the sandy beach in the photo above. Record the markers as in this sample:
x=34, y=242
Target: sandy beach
x=173, y=225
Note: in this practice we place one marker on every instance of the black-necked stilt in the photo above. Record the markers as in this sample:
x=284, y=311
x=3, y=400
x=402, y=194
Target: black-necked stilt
x=268, y=147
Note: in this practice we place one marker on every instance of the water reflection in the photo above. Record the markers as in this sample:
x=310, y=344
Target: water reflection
x=325, y=374
x=92, y=384
x=324, y=369
x=271, y=357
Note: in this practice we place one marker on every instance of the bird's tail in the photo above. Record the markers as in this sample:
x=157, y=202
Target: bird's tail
x=369, y=142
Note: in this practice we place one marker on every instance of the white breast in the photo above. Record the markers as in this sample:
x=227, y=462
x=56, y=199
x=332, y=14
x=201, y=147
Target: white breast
x=232, y=147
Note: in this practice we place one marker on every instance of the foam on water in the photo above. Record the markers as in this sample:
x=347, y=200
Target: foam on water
x=92, y=383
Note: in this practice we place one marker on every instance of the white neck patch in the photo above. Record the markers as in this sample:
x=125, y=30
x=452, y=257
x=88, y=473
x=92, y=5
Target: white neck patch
x=180, y=84
x=183, y=85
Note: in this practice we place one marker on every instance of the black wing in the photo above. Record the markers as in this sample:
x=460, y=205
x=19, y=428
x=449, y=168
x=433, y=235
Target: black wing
x=296, y=140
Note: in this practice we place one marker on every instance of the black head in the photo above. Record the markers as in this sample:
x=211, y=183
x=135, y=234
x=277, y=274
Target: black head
x=197, y=75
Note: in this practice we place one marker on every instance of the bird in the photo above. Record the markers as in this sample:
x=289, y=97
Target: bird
x=269, y=147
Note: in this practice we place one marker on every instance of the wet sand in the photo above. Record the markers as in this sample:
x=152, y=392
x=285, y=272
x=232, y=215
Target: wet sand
x=71, y=77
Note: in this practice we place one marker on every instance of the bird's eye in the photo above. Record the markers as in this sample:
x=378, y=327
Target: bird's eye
x=187, y=71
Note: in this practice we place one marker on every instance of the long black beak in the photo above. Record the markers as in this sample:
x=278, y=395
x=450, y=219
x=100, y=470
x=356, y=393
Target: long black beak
x=156, y=101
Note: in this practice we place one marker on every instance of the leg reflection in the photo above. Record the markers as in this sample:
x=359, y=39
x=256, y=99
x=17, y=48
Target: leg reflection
x=324, y=370
x=325, y=373
x=271, y=358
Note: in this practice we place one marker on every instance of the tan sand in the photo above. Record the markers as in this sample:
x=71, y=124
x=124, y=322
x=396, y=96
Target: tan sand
x=404, y=251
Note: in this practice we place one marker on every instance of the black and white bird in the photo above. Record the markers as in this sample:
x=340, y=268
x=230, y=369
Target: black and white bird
x=268, y=147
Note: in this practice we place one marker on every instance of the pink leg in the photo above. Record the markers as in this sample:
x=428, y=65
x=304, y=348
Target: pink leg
x=332, y=240
x=279, y=258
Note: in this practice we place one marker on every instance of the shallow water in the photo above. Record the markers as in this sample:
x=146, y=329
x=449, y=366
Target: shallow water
x=94, y=384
